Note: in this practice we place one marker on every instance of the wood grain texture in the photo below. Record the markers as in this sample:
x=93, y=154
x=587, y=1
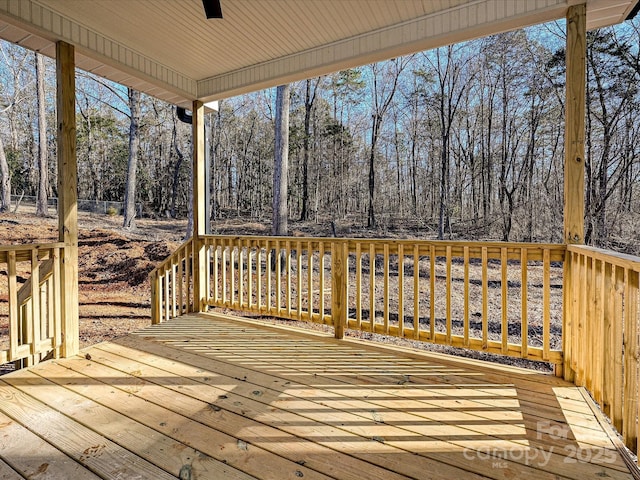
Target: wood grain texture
x=576, y=49
x=232, y=398
x=68, y=194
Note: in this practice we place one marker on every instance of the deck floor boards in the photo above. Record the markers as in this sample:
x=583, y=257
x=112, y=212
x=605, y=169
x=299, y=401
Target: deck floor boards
x=219, y=397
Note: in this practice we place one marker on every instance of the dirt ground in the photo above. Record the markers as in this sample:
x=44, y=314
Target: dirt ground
x=114, y=264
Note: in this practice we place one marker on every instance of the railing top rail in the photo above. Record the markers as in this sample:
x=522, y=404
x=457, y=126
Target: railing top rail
x=168, y=258
x=623, y=260
x=388, y=241
x=31, y=246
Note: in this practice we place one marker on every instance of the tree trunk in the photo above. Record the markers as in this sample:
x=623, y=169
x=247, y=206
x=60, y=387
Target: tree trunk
x=309, y=100
x=132, y=165
x=444, y=187
x=175, y=185
x=375, y=129
x=5, y=181
x=280, y=171
x=43, y=167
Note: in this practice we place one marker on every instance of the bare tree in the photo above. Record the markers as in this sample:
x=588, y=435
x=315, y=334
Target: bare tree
x=309, y=100
x=5, y=181
x=132, y=165
x=43, y=164
x=13, y=90
x=385, y=85
x=280, y=172
x=450, y=90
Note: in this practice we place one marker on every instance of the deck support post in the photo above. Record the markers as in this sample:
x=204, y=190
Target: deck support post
x=576, y=51
x=339, y=272
x=200, y=264
x=67, y=195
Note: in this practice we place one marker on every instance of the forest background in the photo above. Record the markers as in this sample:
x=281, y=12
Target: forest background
x=464, y=141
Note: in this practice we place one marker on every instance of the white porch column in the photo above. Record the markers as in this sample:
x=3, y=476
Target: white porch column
x=200, y=264
x=68, y=194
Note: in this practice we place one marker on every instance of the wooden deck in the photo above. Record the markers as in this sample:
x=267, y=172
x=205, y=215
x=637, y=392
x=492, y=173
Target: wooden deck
x=216, y=397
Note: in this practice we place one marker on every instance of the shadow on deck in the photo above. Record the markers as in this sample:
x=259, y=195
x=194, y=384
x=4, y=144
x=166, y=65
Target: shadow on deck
x=226, y=398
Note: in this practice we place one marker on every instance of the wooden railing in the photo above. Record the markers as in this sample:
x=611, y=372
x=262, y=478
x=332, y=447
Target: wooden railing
x=491, y=297
x=572, y=306
x=601, y=339
x=172, y=285
x=31, y=302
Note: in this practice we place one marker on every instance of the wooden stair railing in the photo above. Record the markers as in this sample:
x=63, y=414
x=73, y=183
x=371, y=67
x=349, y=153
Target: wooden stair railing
x=25, y=293
x=34, y=313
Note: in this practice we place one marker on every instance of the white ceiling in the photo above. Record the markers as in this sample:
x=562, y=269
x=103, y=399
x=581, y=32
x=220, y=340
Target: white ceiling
x=167, y=48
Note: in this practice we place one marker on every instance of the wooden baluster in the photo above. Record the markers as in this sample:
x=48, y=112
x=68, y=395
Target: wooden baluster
x=598, y=329
x=49, y=319
x=385, y=294
x=232, y=272
x=278, y=267
x=485, y=298
x=321, y=279
x=372, y=287
x=568, y=313
x=358, y=291
x=14, y=325
x=167, y=292
x=416, y=292
x=259, y=257
x=608, y=394
x=299, y=278
x=180, y=258
x=34, y=320
x=400, y=290
x=465, y=295
x=267, y=272
x=57, y=303
x=574, y=310
x=187, y=276
x=310, y=280
x=240, y=274
x=174, y=299
x=155, y=300
x=546, y=303
x=589, y=325
x=339, y=270
x=504, y=298
x=249, y=248
x=617, y=410
x=581, y=350
x=630, y=394
x=448, y=293
x=524, y=292
x=160, y=297
x=432, y=293
x=288, y=273
x=225, y=254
